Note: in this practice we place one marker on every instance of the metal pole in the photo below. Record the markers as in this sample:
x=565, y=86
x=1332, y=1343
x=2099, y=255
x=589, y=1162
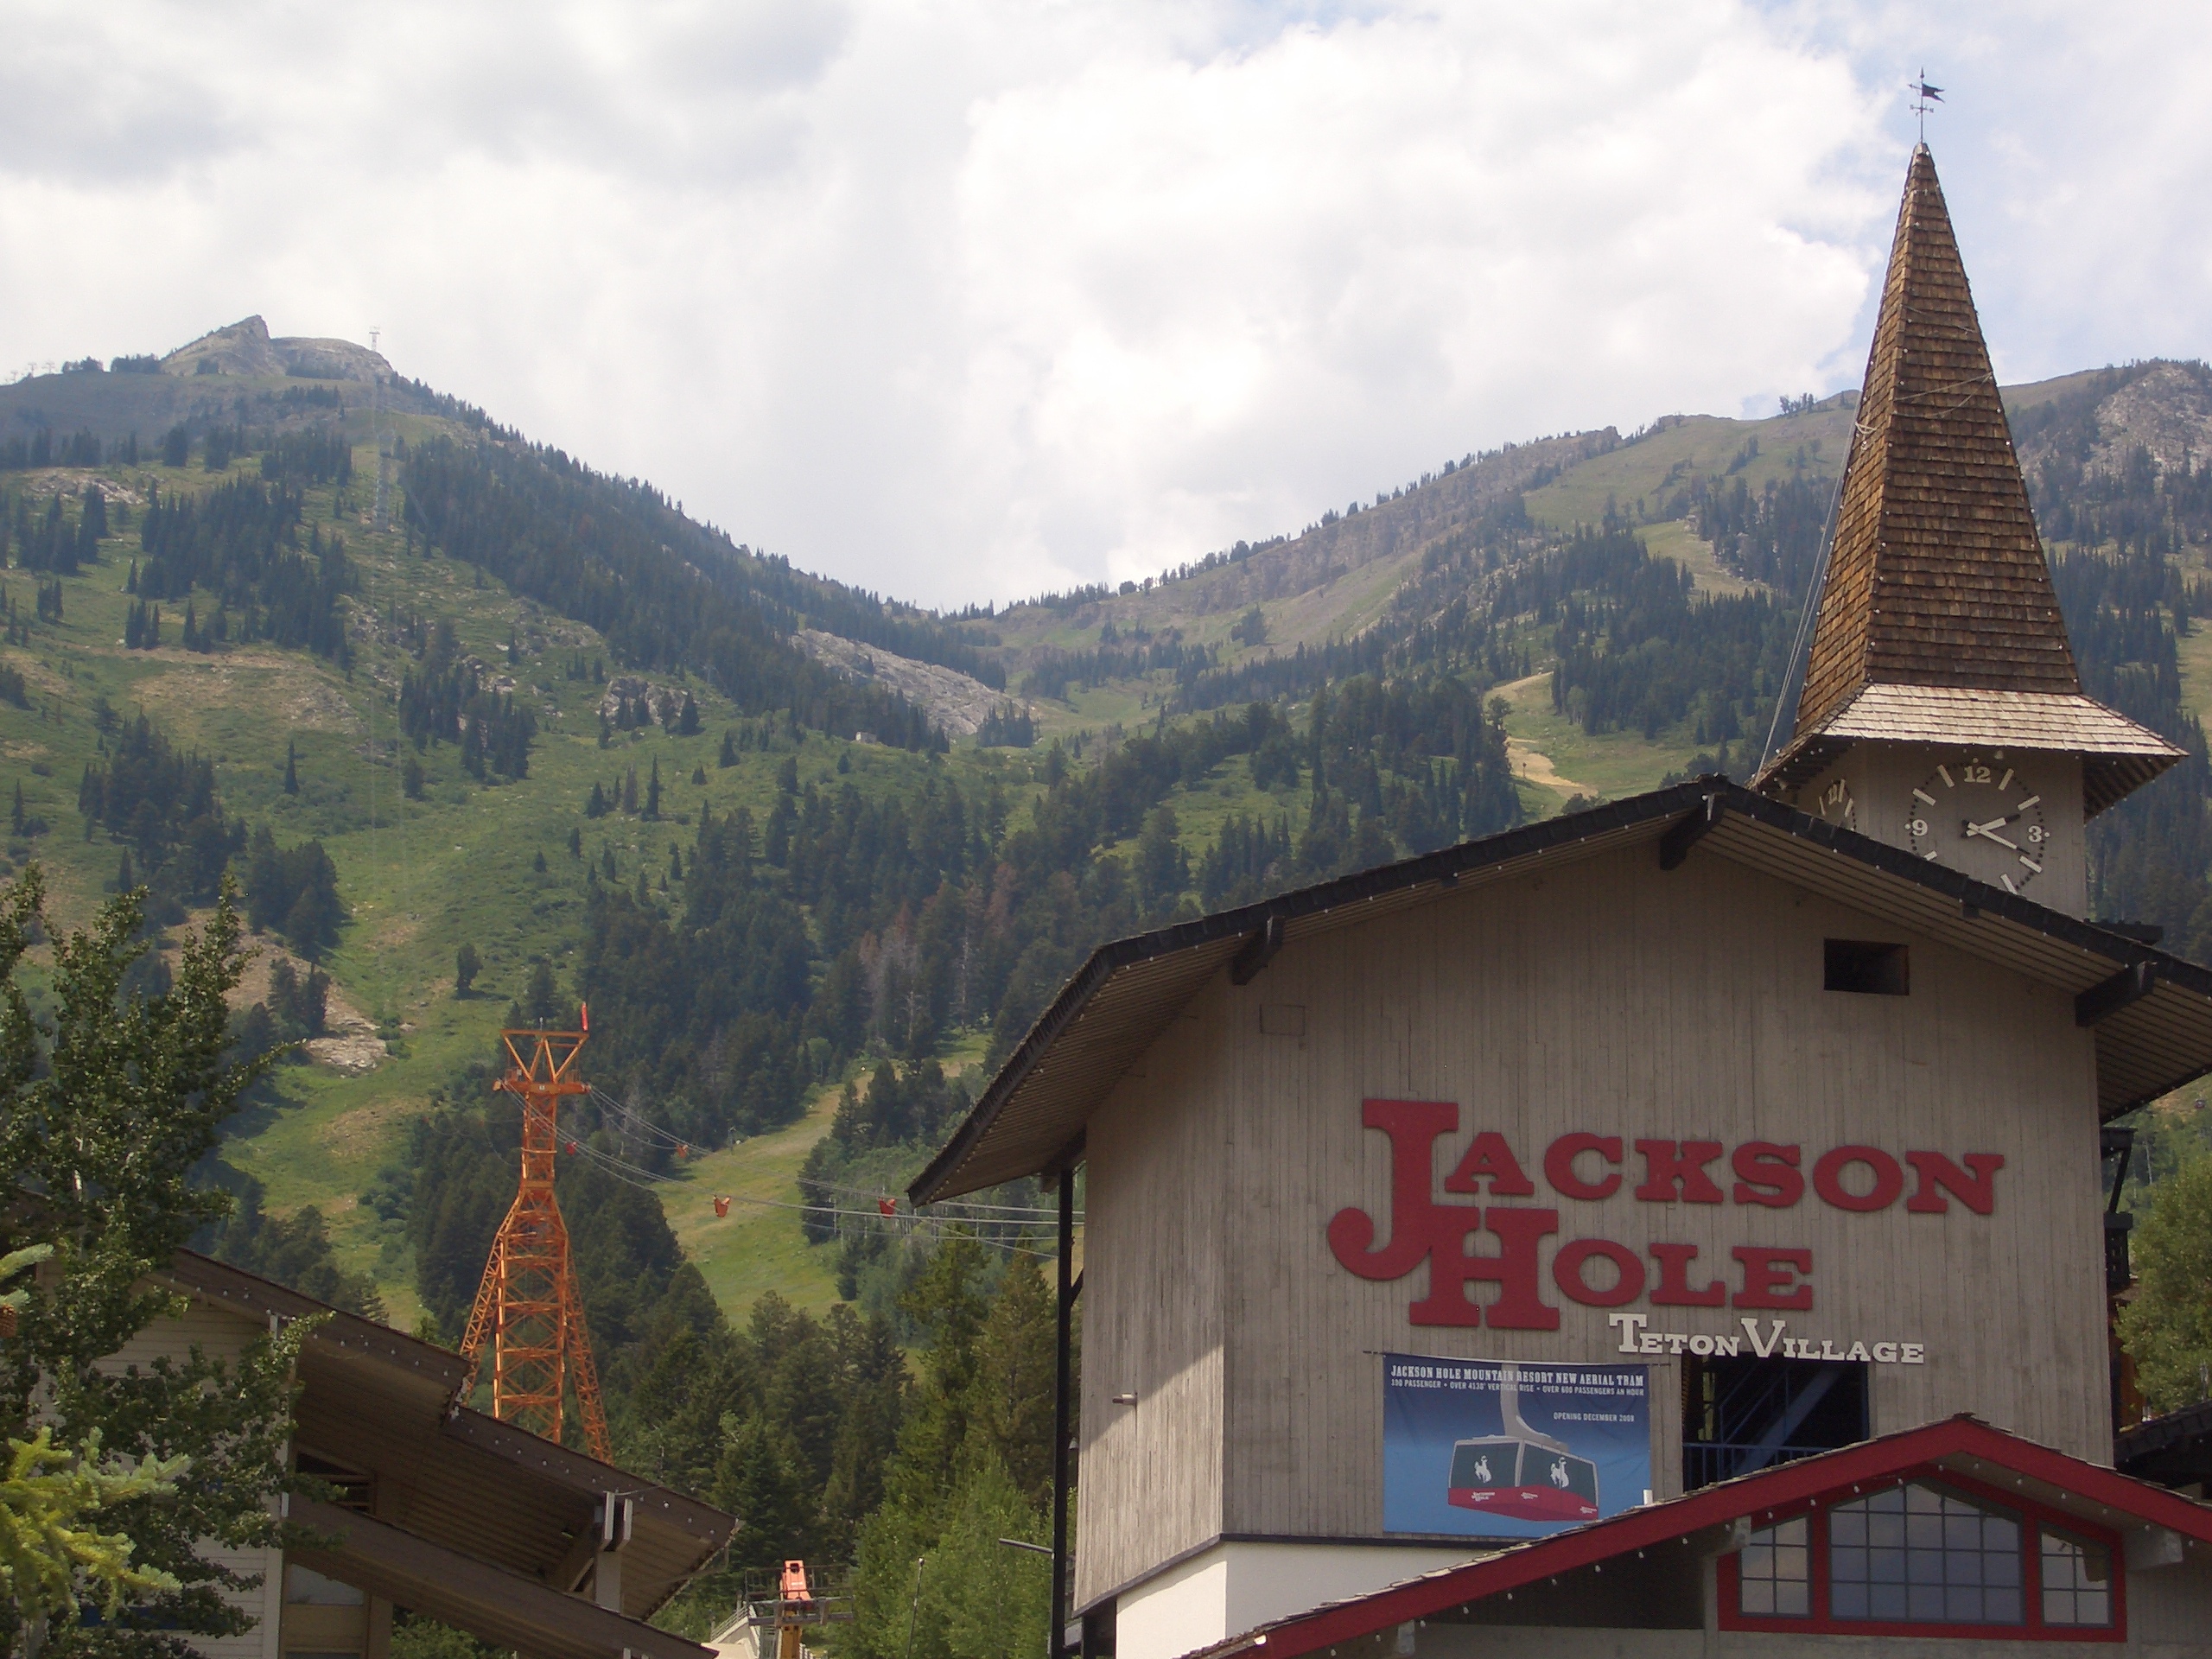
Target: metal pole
x=1056, y=1646
x=914, y=1613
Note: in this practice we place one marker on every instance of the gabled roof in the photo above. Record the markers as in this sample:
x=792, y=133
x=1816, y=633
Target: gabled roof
x=478, y=1523
x=1936, y=578
x=1963, y=1446
x=2152, y=1012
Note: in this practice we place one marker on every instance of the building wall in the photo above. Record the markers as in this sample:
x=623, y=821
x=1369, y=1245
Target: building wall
x=1605, y=997
x=1231, y=1587
x=221, y=1333
x=1152, y=1309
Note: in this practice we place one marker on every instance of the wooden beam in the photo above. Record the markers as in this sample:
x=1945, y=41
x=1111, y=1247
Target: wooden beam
x=1259, y=950
x=488, y=1602
x=2107, y=997
x=1689, y=830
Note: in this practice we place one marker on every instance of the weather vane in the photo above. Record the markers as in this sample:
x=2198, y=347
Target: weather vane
x=1925, y=99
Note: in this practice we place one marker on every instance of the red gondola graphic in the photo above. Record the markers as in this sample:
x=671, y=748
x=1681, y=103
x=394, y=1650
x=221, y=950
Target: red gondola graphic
x=1521, y=1472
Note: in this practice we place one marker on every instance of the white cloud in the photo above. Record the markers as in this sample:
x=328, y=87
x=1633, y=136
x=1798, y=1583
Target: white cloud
x=969, y=300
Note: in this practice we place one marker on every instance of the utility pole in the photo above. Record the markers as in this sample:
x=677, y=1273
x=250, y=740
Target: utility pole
x=384, y=460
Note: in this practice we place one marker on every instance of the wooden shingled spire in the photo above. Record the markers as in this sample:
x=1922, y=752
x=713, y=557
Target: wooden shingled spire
x=1937, y=576
x=1937, y=624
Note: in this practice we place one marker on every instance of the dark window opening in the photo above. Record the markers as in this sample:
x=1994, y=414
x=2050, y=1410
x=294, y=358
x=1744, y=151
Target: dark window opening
x=1868, y=967
x=1743, y=1414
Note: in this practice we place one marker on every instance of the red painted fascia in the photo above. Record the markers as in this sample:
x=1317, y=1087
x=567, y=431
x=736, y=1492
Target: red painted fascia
x=1792, y=1483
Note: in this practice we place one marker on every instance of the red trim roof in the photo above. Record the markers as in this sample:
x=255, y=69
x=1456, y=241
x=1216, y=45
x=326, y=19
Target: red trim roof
x=1658, y=1524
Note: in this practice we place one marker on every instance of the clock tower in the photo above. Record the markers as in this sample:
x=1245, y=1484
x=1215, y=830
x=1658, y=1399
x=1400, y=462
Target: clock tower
x=1940, y=711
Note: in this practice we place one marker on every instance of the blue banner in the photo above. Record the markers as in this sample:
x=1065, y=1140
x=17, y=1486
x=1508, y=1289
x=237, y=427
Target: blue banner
x=1499, y=1449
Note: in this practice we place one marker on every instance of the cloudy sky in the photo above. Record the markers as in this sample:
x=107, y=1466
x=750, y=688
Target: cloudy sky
x=966, y=300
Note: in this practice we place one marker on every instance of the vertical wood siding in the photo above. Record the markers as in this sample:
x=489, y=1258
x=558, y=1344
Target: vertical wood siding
x=1612, y=998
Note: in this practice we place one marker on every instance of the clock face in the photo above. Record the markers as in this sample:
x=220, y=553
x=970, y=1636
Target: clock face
x=1981, y=817
x=1836, y=805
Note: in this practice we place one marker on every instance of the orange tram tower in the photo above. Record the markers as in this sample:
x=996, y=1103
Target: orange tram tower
x=529, y=1311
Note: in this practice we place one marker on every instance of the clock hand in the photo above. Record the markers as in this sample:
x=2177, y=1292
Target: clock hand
x=2017, y=811
x=1987, y=832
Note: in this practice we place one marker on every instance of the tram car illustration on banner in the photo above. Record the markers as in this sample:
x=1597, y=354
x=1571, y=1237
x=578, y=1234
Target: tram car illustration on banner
x=1514, y=1476
x=1521, y=1471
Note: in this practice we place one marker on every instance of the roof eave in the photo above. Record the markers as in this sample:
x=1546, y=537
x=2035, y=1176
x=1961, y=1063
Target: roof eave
x=1553, y=835
x=1442, y=867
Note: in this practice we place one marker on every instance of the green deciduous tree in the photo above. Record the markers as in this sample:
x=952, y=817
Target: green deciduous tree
x=2168, y=1328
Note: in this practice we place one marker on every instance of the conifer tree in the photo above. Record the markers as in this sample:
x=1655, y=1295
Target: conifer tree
x=291, y=755
x=544, y=997
x=729, y=756
x=466, y=964
x=105, y=1120
x=652, y=794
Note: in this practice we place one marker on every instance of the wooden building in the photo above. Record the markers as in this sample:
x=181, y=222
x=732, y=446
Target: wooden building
x=1547, y=1186
x=439, y=1508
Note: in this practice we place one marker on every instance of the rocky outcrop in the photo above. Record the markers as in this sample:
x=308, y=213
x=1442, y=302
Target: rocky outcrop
x=245, y=349
x=957, y=702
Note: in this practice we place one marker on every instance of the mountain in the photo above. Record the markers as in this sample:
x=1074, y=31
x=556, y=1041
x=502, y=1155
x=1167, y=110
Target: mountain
x=816, y=857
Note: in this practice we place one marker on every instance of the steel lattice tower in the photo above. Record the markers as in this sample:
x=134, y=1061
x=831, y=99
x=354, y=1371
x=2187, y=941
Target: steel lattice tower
x=528, y=1309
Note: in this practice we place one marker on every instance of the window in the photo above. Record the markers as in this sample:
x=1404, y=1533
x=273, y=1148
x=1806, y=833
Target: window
x=1776, y=1571
x=1742, y=1413
x=2076, y=1582
x=1916, y=1555
x=1931, y=1554
x=1868, y=967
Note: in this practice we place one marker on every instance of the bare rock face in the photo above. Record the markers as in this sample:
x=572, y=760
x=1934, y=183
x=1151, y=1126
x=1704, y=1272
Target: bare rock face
x=245, y=349
x=2167, y=410
x=955, y=702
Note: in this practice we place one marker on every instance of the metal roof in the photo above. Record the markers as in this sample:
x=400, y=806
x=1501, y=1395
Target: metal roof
x=2157, y=1036
x=482, y=1493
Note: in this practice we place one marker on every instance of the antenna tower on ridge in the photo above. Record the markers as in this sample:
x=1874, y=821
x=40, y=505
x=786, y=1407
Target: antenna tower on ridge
x=384, y=460
x=529, y=1311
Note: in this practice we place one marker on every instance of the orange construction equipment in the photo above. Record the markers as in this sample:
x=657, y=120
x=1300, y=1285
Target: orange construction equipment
x=528, y=1309
x=795, y=1610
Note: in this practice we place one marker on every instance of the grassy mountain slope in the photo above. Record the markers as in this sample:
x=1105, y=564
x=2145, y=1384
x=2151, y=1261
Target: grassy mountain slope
x=461, y=864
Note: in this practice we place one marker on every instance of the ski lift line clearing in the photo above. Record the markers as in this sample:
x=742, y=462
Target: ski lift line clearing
x=634, y=1119
x=637, y=1175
